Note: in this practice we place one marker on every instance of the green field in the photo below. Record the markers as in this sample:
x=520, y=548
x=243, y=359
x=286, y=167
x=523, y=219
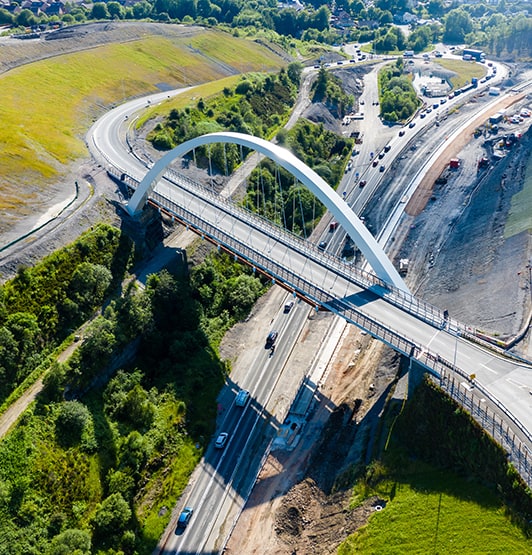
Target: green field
x=47, y=106
x=465, y=71
x=435, y=512
x=520, y=218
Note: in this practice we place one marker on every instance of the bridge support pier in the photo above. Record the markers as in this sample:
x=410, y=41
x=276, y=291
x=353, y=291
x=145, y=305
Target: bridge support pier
x=145, y=229
x=416, y=373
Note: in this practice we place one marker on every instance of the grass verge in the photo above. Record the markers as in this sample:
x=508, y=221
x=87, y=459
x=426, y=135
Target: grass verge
x=465, y=71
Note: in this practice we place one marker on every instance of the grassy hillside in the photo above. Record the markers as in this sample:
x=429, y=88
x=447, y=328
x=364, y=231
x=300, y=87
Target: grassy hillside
x=47, y=106
x=520, y=218
x=445, y=487
x=434, y=511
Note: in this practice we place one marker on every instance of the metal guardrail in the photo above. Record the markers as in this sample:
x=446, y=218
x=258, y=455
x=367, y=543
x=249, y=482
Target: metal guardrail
x=512, y=435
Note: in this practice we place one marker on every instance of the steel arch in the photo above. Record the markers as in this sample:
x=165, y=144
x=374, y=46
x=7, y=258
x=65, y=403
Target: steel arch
x=343, y=214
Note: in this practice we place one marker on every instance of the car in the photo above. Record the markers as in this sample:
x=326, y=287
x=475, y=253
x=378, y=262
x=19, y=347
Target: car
x=387, y=148
x=412, y=124
x=381, y=154
x=429, y=110
x=272, y=337
x=221, y=440
x=242, y=398
x=401, y=133
x=422, y=115
x=375, y=163
x=362, y=183
x=288, y=306
x=382, y=168
x=361, y=102
x=184, y=517
x=322, y=245
x=333, y=226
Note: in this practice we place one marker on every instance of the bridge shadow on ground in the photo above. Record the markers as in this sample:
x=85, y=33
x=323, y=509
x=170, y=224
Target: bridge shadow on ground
x=315, y=440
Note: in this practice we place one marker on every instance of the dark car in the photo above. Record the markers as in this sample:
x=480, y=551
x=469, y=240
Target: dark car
x=270, y=340
x=322, y=245
x=401, y=133
x=375, y=162
x=382, y=168
x=387, y=148
x=184, y=517
x=362, y=183
x=412, y=124
x=288, y=306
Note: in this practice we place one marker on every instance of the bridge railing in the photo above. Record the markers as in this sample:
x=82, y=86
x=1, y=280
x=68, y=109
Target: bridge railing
x=402, y=299
x=509, y=432
x=491, y=421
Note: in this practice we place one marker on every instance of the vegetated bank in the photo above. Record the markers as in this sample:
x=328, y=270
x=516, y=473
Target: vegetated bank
x=97, y=463
x=259, y=105
x=398, y=99
x=441, y=485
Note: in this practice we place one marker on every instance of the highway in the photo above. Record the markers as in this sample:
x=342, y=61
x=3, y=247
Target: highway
x=221, y=478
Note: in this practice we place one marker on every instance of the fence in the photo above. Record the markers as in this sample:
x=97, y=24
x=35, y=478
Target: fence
x=508, y=431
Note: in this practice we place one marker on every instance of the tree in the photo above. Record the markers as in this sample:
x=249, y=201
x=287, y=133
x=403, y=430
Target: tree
x=71, y=542
x=8, y=357
x=25, y=18
x=99, y=11
x=294, y=71
x=457, y=25
x=134, y=451
x=320, y=85
x=436, y=8
x=116, y=11
x=71, y=422
x=142, y=10
x=112, y=516
x=6, y=18
x=88, y=285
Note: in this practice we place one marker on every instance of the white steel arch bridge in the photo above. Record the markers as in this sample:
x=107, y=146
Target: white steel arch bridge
x=379, y=304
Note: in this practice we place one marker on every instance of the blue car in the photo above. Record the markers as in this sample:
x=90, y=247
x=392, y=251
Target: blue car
x=184, y=517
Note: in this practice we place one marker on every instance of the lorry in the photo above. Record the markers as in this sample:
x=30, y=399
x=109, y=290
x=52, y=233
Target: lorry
x=472, y=54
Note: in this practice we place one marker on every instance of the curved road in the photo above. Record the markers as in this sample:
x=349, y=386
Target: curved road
x=223, y=477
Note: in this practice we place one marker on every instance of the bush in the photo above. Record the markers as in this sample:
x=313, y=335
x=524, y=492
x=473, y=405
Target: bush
x=72, y=421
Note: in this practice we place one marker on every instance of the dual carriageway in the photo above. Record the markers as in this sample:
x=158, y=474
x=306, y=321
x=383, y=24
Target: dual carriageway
x=385, y=311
